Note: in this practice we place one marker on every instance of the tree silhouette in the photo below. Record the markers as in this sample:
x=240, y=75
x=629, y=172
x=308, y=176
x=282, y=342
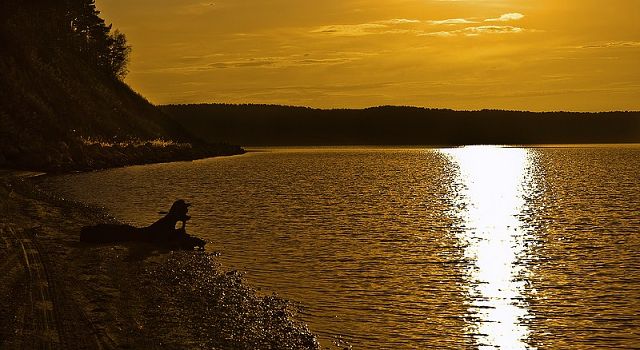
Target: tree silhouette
x=94, y=40
x=118, y=57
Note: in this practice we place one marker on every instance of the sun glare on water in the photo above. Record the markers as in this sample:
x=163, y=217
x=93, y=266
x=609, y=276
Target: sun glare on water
x=492, y=183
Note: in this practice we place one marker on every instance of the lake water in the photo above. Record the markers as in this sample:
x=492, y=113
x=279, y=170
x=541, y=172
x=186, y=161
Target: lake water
x=475, y=247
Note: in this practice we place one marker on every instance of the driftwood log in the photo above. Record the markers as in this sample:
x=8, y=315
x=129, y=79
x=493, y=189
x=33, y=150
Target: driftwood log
x=162, y=232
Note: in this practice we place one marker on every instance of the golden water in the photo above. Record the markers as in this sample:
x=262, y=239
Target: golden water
x=410, y=248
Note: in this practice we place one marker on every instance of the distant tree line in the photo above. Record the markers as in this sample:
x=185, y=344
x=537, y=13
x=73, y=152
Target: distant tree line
x=271, y=125
x=69, y=25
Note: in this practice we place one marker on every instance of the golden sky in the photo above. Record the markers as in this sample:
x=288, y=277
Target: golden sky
x=464, y=54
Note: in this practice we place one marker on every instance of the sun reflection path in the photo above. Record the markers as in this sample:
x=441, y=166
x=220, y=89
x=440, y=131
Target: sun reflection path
x=492, y=183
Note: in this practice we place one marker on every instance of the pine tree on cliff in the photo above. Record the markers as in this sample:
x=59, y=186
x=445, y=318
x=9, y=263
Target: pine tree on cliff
x=67, y=26
x=93, y=39
x=118, y=57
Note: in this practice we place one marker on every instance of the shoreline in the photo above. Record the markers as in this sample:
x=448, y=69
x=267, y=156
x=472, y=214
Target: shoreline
x=90, y=157
x=64, y=294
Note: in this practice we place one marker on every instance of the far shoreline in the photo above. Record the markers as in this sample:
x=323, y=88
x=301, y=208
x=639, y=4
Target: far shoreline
x=265, y=148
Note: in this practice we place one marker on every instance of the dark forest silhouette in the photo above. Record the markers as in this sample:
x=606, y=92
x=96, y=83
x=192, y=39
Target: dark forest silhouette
x=261, y=125
x=70, y=25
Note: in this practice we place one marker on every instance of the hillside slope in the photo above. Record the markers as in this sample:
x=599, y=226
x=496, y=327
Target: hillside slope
x=59, y=110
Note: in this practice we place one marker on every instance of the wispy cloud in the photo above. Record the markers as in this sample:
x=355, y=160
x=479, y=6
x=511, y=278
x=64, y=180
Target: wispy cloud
x=389, y=26
x=284, y=61
x=467, y=27
x=452, y=21
x=351, y=29
x=613, y=44
x=477, y=30
x=247, y=62
x=399, y=21
x=492, y=30
x=514, y=16
x=294, y=60
x=442, y=34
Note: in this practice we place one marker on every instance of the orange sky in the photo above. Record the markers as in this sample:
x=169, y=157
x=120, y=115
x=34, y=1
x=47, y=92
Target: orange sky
x=464, y=54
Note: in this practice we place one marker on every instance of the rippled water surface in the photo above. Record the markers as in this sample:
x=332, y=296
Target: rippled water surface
x=476, y=247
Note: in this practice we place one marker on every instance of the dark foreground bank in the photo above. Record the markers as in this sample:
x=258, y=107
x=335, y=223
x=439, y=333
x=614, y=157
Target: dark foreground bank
x=87, y=155
x=58, y=293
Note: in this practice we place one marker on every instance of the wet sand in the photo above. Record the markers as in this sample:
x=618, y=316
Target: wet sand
x=60, y=294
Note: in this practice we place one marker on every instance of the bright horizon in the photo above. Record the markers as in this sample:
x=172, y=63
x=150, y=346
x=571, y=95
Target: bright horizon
x=547, y=55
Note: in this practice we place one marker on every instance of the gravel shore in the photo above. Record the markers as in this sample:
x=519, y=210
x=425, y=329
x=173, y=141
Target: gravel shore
x=61, y=294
